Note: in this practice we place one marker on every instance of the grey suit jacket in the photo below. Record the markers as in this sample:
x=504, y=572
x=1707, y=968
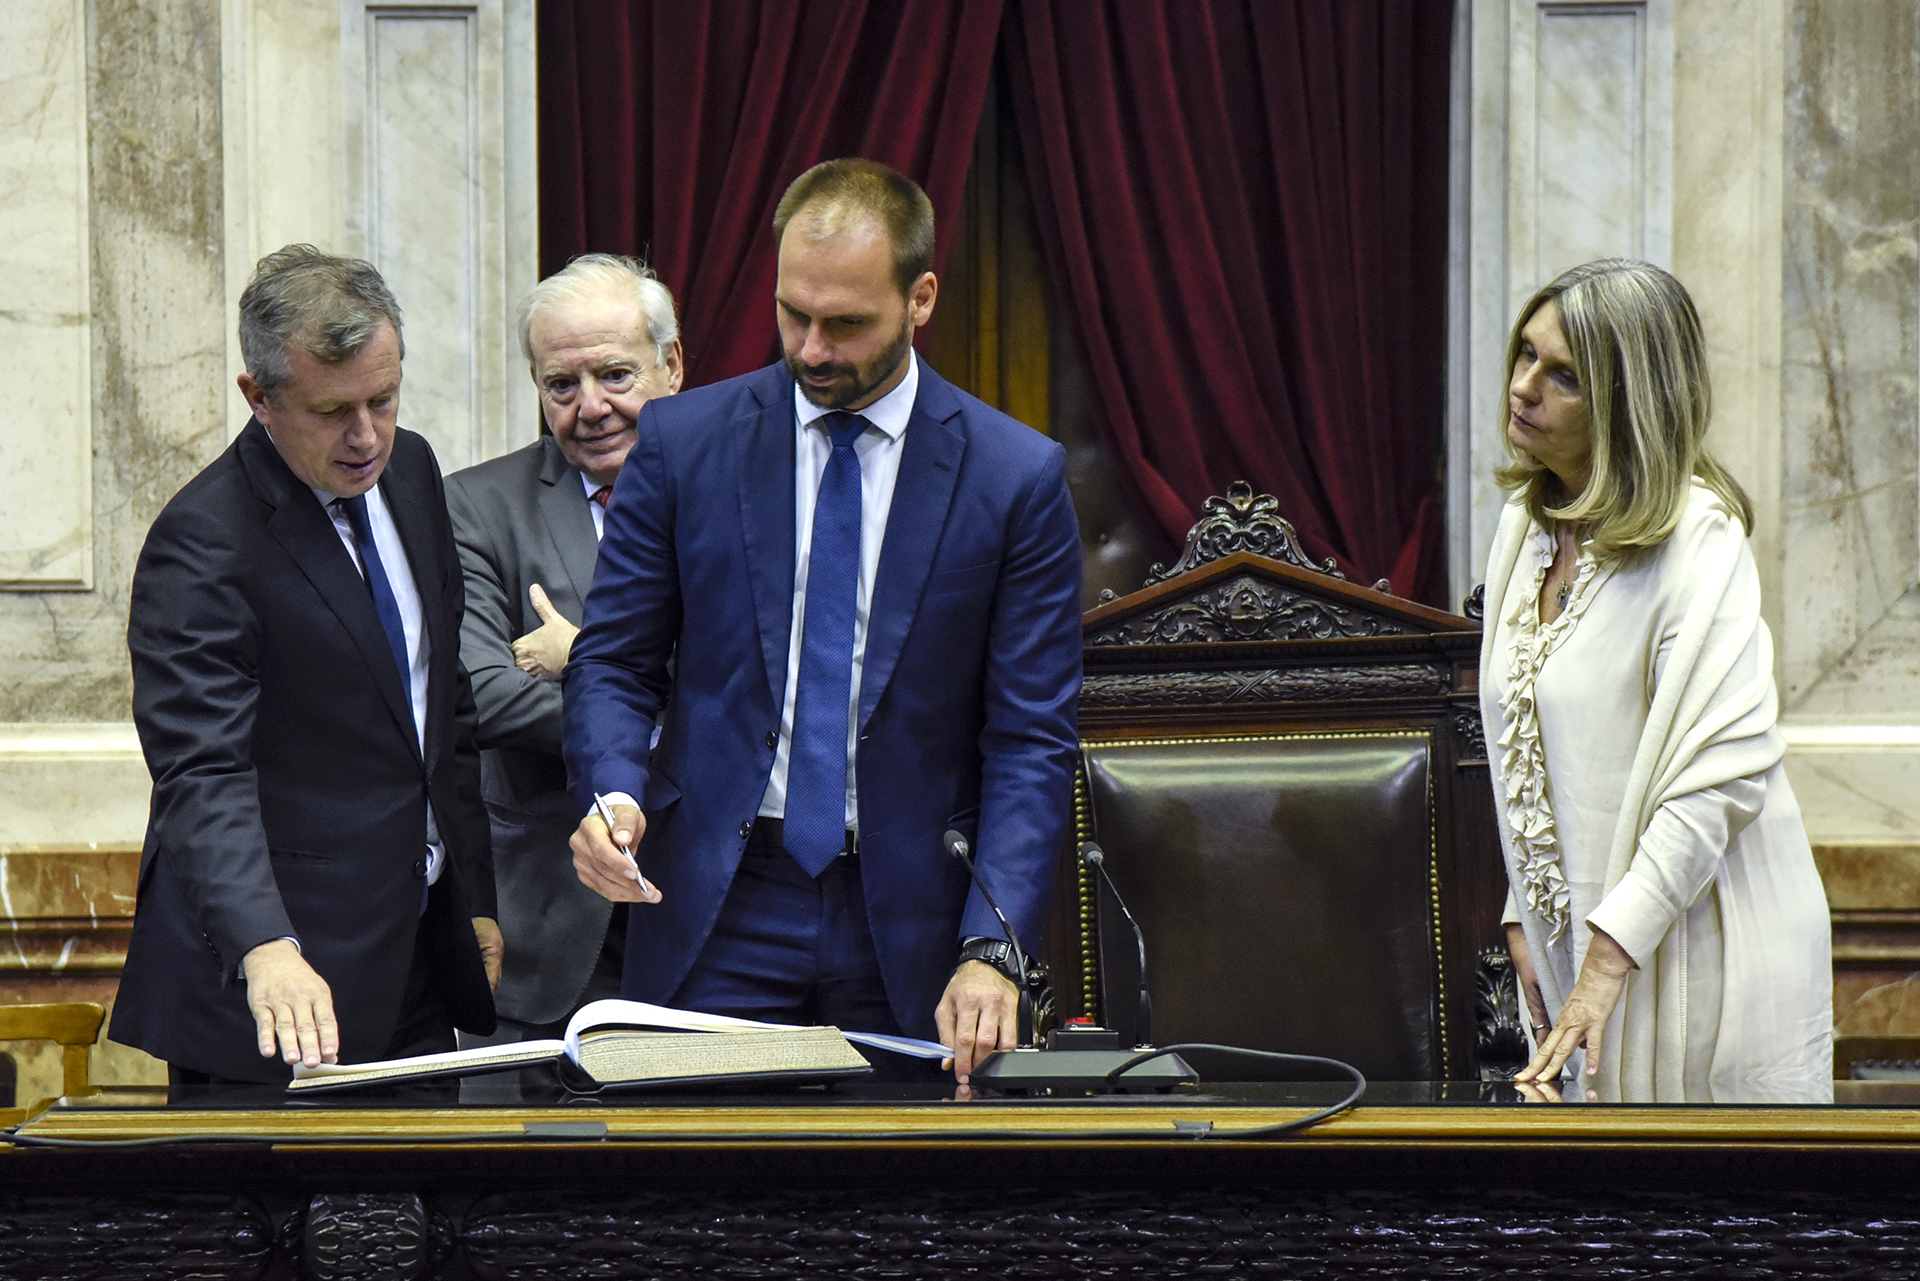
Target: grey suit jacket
x=522, y=519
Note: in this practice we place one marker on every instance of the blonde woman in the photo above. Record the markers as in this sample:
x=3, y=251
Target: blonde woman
x=1665, y=915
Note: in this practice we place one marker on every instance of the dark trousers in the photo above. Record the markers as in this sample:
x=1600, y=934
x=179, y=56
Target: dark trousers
x=424, y=1027
x=789, y=948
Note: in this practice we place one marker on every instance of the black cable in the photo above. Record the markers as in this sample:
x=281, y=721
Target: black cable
x=1272, y=1056
x=1182, y=1131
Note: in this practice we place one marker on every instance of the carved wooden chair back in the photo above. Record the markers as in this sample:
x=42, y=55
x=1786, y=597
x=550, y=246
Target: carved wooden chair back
x=1286, y=772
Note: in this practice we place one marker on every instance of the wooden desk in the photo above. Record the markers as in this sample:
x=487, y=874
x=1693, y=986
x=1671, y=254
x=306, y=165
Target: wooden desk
x=770, y=1189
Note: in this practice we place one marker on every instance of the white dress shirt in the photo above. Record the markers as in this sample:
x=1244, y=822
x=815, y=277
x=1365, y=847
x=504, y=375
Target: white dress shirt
x=878, y=448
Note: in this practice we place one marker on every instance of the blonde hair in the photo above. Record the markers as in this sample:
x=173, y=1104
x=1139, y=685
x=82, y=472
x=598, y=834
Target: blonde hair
x=1641, y=360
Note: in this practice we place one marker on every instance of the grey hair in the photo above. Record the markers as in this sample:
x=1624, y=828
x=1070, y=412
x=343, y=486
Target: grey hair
x=329, y=307
x=591, y=275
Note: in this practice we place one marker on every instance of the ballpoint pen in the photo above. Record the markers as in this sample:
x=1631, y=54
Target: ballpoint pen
x=606, y=816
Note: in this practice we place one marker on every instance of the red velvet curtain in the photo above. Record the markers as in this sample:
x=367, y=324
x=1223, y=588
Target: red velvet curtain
x=1244, y=204
x=669, y=128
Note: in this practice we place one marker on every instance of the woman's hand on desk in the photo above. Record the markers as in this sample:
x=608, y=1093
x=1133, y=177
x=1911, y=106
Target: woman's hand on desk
x=1583, y=1019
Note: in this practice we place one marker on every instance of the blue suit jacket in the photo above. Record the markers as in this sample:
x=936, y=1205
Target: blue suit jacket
x=967, y=694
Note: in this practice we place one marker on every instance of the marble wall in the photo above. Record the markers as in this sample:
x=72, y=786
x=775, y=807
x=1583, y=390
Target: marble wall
x=152, y=152
x=1780, y=181
x=1851, y=317
x=46, y=514
x=148, y=410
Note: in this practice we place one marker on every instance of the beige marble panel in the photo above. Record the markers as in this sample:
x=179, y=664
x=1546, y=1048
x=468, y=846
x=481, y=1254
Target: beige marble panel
x=1851, y=303
x=283, y=148
x=1870, y=877
x=1566, y=115
x=442, y=196
x=1590, y=137
x=46, y=506
x=423, y=145
x=154, y=274
x=71, y=784
x=1727, y=196
x=1586, y=191
x=1857, y=793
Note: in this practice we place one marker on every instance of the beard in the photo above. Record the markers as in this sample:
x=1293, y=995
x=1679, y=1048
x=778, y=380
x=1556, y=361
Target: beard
x=852, y=384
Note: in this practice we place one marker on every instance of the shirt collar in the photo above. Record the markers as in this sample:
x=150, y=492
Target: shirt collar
x=889, y=413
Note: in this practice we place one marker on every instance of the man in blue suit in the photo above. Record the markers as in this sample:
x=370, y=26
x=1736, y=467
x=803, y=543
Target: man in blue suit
x=871, y=582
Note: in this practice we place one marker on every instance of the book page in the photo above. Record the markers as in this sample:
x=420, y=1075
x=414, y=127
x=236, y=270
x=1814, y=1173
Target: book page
x=448, y=1061
x=617, y=1013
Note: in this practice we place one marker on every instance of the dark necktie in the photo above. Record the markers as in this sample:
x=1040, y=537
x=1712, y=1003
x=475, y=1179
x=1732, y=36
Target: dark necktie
x=815, y=829
x=384, y=603
x=601, y=495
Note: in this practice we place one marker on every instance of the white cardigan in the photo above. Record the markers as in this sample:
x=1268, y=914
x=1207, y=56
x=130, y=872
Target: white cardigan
x=1639, y=788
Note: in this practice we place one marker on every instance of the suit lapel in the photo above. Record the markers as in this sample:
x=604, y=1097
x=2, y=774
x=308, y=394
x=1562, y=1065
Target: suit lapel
x=301, y=525
x=563, y=507
x=766, y=519
x=929, y=468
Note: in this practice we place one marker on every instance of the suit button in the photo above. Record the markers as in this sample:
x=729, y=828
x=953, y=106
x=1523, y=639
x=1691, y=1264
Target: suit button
x=773, y=738
x=746, y=829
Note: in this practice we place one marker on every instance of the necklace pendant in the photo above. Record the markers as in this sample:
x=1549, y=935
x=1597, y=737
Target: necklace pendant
x=1566, y=590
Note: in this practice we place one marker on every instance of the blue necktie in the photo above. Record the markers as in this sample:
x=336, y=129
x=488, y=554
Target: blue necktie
x=384, y=603
x=816, y=819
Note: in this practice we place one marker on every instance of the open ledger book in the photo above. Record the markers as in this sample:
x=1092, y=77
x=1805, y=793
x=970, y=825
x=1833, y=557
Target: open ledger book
x=632, y=1044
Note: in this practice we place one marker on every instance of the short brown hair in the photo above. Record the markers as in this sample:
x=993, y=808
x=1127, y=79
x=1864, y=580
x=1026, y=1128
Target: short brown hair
x=855, y=188
x=328, y=306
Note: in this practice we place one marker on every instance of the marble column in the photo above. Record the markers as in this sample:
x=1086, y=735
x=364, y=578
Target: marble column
x=1850, y=318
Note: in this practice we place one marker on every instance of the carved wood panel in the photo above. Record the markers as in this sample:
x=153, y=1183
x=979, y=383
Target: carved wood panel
x=1246, y=608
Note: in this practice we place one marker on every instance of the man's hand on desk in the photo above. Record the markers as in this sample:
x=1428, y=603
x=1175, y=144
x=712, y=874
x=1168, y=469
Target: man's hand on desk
x=542, y=652
x=492, y=948
x=978, y=1015
x=599, y=863
x=291, y=1004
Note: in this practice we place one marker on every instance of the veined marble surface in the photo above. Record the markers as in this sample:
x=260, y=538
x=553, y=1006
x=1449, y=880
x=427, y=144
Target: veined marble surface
x=1851, y=337
x=46, y=506
x=71, y=784
x=153, y=204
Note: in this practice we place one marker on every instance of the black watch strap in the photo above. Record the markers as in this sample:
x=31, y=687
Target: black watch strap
x=995, y=952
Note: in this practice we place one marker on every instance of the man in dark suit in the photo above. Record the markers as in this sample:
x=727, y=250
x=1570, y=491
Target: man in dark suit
x=873, y=583
x=316, y=884
x=600, y=340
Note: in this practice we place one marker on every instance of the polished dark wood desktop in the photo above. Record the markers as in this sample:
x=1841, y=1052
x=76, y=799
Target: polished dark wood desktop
x=850, y=1183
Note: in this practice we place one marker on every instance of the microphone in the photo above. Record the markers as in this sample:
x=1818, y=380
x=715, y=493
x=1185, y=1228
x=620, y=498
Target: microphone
x=958, y=847
x=1033, y=1070
x=1094, y=857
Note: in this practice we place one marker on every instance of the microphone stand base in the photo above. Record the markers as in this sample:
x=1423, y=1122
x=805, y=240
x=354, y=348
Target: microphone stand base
x=1039, y=1071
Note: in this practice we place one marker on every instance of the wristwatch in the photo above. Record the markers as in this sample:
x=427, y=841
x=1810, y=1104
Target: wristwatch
x=995, y=952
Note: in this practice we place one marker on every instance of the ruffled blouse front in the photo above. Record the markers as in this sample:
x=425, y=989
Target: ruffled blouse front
x=1523, y=758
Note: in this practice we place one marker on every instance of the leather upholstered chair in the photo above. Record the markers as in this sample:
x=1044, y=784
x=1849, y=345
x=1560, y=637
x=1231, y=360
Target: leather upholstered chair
x=1286, y=774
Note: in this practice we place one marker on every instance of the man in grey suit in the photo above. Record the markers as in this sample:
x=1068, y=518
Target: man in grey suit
x=600, y=340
